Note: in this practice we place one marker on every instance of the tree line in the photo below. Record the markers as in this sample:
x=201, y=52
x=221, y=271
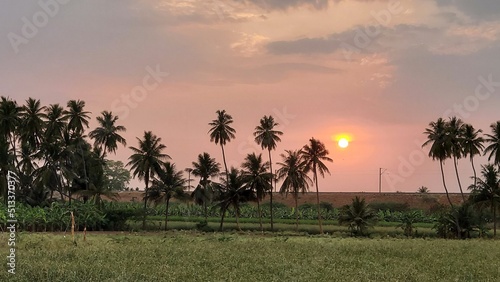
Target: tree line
x=55, y=160
x=454, y=139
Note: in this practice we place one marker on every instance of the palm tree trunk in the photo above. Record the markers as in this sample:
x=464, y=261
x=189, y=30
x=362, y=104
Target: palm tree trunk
x=271, y=194
x=166, y=212
x=296, y=214
x=146, y=180
x=260, y=215
x=317, y=201
x=222, y=219
x=237, y=213
x=444, y=183
x=458, y=178
x=206, y=210
x=473, y=169
x=225, y=165
x=494, y=219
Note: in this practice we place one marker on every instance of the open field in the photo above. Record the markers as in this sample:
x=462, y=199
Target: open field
x=338, y=199
x=191, y=256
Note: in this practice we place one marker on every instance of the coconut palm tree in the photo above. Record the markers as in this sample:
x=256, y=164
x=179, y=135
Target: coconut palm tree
x=146, y=162
x=9, y=122
x=221, y=132
x=107, y=135
x=232, y=194
x=472, y=145
x=314, y=154
x=267, y=137
x=56, y=123
x=358, y=216
x=205, y=168
x=169, y=184
x=494, y=141
x=295, y=179
x=257, y=177
x=487, y=192
x=32, y=123
x=440, y=146
x=455, y=132
x=78, y=118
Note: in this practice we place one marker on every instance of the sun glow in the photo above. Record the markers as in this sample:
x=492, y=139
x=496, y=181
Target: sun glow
x=343, y=143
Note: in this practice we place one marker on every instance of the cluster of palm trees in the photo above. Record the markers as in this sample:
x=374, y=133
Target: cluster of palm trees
x=252, y=182
x=46, y=147
x=454, y=139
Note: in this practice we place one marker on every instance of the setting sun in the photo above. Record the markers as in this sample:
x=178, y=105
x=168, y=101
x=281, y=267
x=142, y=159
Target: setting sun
x=343, y=143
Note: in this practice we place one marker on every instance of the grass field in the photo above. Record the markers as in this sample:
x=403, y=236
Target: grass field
x=192, y=256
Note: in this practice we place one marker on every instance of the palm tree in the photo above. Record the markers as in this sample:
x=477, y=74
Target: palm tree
x=233, y=193
x=32, y=123
x=267, y=137
x=295, y=178
x=56, y=123
x=472, y=145
x=78, y=119
x=9, y=122
x=487, y=192
x=146, y=161
x=314, y=154
x=494, y=140
x=423, y=190
x=455, y=131
x=257, y=177
x=168, y=185
x=440, y=146
x=205, y=168
x=358, y=216
x=221, y=132
x=107, y=135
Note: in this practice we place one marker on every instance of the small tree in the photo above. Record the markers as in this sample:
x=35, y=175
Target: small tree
x=423, y=190
x=358, y=216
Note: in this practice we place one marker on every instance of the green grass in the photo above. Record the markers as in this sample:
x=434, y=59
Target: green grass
x=191, y=256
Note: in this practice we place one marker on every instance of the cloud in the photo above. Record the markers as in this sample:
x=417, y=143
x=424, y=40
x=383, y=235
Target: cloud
x=286, y=4
x=479, y=10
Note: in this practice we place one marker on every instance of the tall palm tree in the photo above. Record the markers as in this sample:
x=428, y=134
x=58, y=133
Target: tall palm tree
x=472, y=145
x=233, y=193
x=221, y=132
x=107, y=135
x=314, y=154
x=169, y=184
x=494, y=141
x=267, y=137
x=487, y=192
x=9, y=122
x=295, y=178
x=32, y=123
x=78, y=118
x=205, y=168
x=146, y=162
x=56, y=123
x=257, y=177
x=455, y=131
x=440, y=147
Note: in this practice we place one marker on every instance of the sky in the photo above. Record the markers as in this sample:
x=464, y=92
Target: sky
x=376, y=71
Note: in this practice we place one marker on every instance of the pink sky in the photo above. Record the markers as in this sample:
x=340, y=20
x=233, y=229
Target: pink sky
x=379, y=71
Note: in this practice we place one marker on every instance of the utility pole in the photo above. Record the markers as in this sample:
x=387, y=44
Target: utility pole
x=380, y=172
